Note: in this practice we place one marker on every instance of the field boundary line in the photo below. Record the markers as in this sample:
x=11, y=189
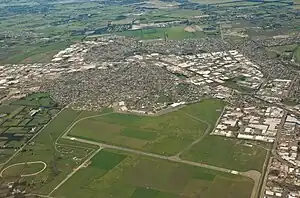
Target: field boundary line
x=208, y=128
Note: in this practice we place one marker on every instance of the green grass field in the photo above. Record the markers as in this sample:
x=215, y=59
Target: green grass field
x=293, y=49
x=166, y=134
x=119, y=175
x=227, y=153
x=173, y=33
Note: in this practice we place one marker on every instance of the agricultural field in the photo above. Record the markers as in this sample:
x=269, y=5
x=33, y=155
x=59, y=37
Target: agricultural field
x=22, y=119
x=120, y=175
x=173, y=33
x=166, y=134
x=37, y=32
x=227, y=153
x=59, y=160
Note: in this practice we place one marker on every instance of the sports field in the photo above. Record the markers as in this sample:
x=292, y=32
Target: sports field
x=166, y=134
x=120, y=175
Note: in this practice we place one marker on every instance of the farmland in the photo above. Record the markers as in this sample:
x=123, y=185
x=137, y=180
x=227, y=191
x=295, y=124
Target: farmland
x=112, y=174
x=59, y=161
x=22, y=119
x=167, y=134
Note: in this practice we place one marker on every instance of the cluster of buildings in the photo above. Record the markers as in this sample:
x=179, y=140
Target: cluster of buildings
x=140, y=73
x=217, y=67
x=250, y=123
x=283, y=174
x=275, y=90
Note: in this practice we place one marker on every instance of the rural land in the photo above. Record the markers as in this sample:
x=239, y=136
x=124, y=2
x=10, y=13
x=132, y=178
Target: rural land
x=149, y=99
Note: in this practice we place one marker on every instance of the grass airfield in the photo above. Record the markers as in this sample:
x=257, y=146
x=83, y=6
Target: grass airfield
x=167, y=134
x=70, y=164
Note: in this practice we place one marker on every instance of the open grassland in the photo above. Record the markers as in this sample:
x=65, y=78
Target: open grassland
x=287, y=50
x=166, y=134
x=119, y=175
x=227, y=153
x=173, y=33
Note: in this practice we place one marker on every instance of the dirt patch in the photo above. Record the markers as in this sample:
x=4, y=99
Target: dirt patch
x=189, y=29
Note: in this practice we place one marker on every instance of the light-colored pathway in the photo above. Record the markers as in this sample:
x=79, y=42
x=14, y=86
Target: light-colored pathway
x=75, y=170
x=26, y=163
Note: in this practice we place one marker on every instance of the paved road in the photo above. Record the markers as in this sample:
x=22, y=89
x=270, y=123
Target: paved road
x=138, y=152
x=75, y=170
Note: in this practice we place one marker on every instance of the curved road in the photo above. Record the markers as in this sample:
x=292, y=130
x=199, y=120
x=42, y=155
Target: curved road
x=26, y=163
x=71, y=127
